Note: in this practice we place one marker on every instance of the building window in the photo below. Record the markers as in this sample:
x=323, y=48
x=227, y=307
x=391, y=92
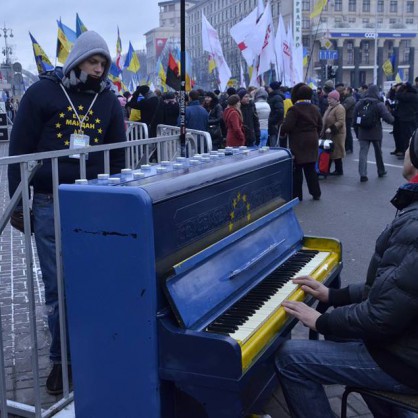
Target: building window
x=338, y=5
x=366, y=5
x=351, y=20
x=409, y=21
x=350, y=45
x=392, y=21
x=393, y=6
x=366, y=21
x=409, y=7
x=306, y=5
x=306, y=23
x=324, y=19
x=380, y=6
x=352, y=5
x=350, y=57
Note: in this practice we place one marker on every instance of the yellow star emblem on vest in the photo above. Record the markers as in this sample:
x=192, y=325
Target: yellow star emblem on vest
x=62, y=115
x=97, y=120
x=59, y=135
x=69, y=108
x=58, y=125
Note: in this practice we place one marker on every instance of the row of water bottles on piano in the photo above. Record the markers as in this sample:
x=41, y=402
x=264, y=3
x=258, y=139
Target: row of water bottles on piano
x=177, y=166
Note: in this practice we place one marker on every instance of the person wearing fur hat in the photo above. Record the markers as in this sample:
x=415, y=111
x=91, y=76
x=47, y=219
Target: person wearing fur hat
x=68, y=101
x=371, y=336
x=334, y=128
x=275, y=100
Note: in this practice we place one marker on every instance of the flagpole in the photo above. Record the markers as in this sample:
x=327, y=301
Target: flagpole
x=183, y=77
x=375, y=48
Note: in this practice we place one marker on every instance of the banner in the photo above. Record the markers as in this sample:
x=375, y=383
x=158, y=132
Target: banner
x=159, y=46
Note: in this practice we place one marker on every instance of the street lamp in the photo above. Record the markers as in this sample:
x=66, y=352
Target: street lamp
x=7, y=50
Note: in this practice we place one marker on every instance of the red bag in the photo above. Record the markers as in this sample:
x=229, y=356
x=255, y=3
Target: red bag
x=323, y=162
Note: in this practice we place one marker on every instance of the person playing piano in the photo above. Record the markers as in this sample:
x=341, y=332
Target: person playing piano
x=375, y=323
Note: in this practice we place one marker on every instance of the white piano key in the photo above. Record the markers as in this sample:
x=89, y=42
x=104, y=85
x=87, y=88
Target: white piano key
x=274, y=302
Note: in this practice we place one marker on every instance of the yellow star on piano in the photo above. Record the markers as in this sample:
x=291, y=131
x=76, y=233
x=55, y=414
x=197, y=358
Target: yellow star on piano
x=234, y=203
x=97, y=120
x=69, y=108
x=96, y=140
x=244, y=198
x=231, y=226
x=232, y=215
x=59, y=135
x=248, y=206
x=58, y=125
x=249, y=217
x=91, y=112
x=67, y=143
x=81, y=107
x=62, y=115
x=100, y=130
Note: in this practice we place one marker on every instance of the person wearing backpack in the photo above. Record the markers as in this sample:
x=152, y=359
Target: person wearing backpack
x=367, y=116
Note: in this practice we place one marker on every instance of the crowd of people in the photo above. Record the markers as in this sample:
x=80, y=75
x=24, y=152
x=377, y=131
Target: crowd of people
x=294, y=118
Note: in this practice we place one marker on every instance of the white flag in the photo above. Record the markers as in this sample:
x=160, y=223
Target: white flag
x=267, y=54
x=241, y=77
x=241, y=30
x=283, y=53
x=211, y=44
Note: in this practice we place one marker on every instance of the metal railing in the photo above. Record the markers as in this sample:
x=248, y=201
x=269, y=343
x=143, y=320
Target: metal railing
x=136, y=151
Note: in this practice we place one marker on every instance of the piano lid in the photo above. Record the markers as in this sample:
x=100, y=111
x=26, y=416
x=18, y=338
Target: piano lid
x=209, y=282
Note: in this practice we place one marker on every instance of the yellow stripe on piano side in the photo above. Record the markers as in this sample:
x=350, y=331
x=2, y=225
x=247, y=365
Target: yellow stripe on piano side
x=259, y=340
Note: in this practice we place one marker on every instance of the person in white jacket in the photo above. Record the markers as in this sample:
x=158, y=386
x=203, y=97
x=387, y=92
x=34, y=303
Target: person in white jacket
x=263, y=111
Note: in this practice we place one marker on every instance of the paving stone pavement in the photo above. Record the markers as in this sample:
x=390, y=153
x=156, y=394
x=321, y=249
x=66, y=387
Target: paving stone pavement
x=16, y=336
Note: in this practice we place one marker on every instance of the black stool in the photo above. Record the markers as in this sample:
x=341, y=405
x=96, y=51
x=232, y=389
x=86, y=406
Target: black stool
x=408, y=402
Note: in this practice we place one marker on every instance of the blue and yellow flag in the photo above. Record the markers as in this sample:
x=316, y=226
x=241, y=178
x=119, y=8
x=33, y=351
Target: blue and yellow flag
x=42, y=61
x=132, y=62
x=64, y=44
x=79, y=26
x=387, y=67
x=319, y=5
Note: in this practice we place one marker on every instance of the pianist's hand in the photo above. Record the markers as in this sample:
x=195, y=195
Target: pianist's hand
x=313, y=287
x=303, y=312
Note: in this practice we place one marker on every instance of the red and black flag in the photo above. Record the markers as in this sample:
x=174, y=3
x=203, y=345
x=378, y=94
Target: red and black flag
x=173, y=78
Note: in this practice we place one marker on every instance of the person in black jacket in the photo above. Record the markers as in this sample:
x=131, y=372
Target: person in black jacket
x=249, y=118
x=215, y=111
x=375, y=323
x=62, y=104
x=275, y=100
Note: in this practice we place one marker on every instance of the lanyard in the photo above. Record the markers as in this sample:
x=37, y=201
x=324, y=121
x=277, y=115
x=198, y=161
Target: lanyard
x=80, y=121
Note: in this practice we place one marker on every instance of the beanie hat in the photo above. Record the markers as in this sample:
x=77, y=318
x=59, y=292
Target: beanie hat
x=275, y=85
x=242, y=92
x=230, y=91
x=86, y=45
x=144, y=89
x=413, y=149
x=334, y=94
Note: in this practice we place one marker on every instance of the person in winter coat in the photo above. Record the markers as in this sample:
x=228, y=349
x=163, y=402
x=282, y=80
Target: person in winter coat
x=323, y=98
x=215, y=111
x=275, y=100
x=303, y=124
x=235, y=136
x=263, y=112
x=406, y=117
x=373, y=326
x=373, y=135
x=196, y=116
x=53, y=113
x=171, y=109
x=249, y=119
x=149, y=107
x=348, y=101
x=334, y=128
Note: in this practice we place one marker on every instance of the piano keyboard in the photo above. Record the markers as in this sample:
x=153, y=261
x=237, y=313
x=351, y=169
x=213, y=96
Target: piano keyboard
x=251, y=312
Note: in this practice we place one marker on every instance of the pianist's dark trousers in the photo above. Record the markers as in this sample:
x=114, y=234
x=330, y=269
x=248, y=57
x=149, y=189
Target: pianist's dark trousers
x=311, y=180
x=304, y=366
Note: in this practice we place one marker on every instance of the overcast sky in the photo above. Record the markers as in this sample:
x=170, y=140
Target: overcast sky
x=134, y=18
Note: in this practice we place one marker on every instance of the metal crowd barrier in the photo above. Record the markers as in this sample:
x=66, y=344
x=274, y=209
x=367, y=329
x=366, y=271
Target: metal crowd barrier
x=136, y=151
